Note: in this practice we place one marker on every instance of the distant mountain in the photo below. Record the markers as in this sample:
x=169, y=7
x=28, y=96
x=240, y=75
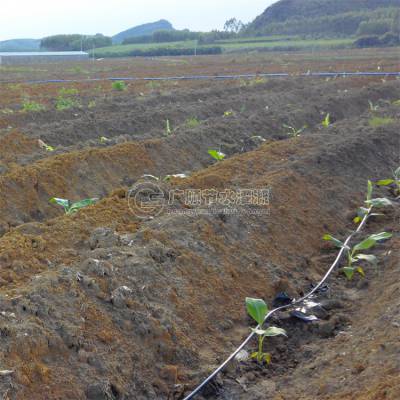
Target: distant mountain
x=142, y=30
x=325, y=17
x=20, y=45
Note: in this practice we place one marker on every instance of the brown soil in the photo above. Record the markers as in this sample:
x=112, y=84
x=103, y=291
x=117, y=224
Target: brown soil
x=105, y=305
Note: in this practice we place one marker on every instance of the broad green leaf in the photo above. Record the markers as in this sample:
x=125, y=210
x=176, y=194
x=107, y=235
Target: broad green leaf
x=385, y=182
x=381, y=236
x=349, y=272
x=267, y=358
x=379, y=202
x=259, y=332
x=217, y=155
x=81, y=204
x=365, y=244
x=367, y=257
x=369, y=190
x=371, y=241
x=330, y=238
x=361, y=271
x=357, y=220
x=257, y=309
x=60, y=202
x=274, y=331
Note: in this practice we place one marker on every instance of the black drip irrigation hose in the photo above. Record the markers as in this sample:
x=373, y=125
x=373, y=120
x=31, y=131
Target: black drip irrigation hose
x=281, y=308
x=210, y=77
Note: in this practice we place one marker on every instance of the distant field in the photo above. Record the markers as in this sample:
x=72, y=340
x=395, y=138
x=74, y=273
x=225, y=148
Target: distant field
x=270, y=43
x=281, y=44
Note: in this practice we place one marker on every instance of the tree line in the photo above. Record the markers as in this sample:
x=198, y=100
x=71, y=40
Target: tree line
x=75, y=42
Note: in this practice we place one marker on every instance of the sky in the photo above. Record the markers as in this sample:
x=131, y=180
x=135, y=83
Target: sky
x=40, y=18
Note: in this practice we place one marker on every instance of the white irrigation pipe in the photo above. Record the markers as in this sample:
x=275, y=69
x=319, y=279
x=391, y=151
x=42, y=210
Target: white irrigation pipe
x=285, y=307
x=209, y=77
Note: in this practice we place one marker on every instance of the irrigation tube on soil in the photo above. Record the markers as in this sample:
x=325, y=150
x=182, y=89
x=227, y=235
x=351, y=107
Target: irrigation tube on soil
x=285, y=307
x=211, y=77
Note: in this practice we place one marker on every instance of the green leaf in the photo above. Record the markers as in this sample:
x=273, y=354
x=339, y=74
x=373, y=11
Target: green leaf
x=385, y=182
x=381, y=236
x=275, y=331
x=357, y=220
x=60, y=202
x=267, y=358
x=259, y=332
x=367, y=257
x=349, y=272
x=81, y=204
x=369, y=190
x=330, y=238
x=361, y=271
x=217, y=155
x=254, y=355
x=257, y=309
x=365, y=244
x=327, y=121
x=379, y=202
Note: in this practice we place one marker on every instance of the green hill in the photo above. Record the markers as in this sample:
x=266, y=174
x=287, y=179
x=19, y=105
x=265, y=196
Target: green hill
x=327, y=18
x=20, y=45
x=143, y=30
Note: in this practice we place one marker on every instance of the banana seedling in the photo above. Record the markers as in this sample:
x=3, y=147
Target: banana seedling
x=353, y=254
x=71, y=208
x=372, y=106
x=258, y=309
x=216, y=154
x=370, y=203
x=395, y=180
x=293, y=132
x=327, y=121
x=168, y=130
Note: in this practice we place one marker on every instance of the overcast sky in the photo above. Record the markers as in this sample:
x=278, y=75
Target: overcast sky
x=39, y=18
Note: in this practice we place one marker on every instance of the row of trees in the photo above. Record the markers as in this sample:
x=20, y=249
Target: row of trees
x=164, y=36
x=232, y=28
x=161, y=51
x=364, y=22
x=74, y=42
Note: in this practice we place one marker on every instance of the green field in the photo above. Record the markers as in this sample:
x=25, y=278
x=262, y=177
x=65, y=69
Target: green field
x=270, y=43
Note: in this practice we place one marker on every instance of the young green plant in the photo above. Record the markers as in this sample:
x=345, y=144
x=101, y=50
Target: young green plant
x=370, y=204
x=258, y=309
x=71, y=208
x=168, y=130
x=216, y=154
x=353, y=255
x=395, y=180
x=327, y=121
x=293, y=132
x=372, y=106
x=119, y=86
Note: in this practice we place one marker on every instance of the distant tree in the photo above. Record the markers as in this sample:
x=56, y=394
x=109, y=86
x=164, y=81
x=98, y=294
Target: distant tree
x=396, y=23
x=374, y=27
x=74, y=42
x=233, y=25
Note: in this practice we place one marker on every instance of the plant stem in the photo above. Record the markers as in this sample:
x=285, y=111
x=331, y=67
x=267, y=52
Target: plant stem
x=260, y=348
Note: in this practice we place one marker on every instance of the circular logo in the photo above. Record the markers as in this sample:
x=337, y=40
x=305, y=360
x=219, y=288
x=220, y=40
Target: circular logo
x=146, y=199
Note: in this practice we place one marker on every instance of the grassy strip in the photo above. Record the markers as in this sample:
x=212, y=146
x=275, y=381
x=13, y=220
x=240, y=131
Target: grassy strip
x=228, y=46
